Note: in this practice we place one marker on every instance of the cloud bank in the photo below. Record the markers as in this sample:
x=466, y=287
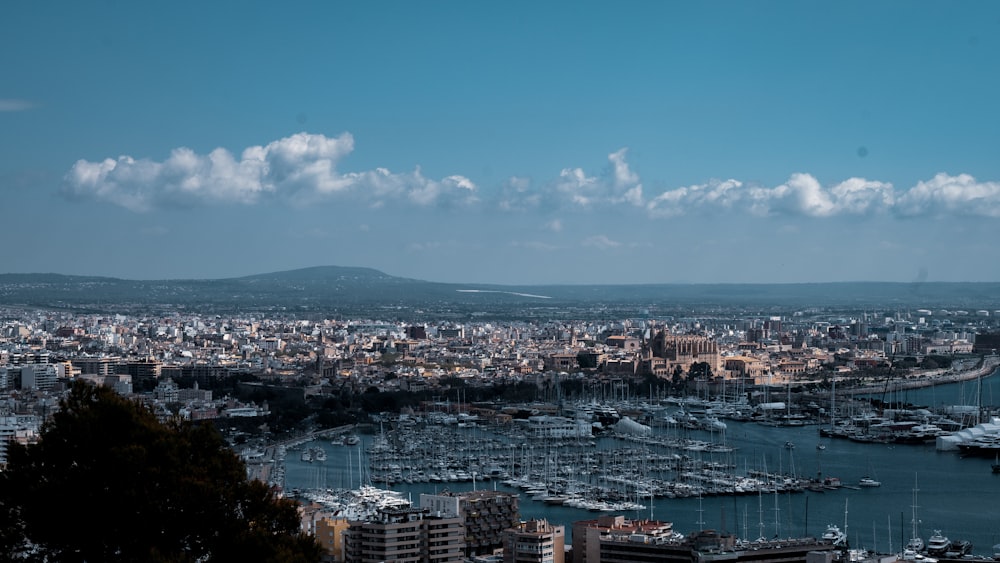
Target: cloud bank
x=303, y=168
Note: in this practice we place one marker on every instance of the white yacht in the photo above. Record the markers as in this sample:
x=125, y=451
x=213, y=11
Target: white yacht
x=834, y=535
x=938, y=544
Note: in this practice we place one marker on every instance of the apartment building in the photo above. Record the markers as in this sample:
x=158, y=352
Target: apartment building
x=535, y=541
x=405, y=535
x=486, y=514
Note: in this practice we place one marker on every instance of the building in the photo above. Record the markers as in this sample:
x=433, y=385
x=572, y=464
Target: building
x=41, y=377
x=405, y=535
x=544, y=426
x=22, y=428
x=93, y=366
x=682, y=351
x=534, y=541
x=486, y=514
x=329, y=532
x=588, y=534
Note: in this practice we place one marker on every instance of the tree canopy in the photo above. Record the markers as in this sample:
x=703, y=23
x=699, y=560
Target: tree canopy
x=109, y=482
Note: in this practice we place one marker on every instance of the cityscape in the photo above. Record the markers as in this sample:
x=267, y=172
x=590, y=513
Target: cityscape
x=474, y=438
x=482, y=282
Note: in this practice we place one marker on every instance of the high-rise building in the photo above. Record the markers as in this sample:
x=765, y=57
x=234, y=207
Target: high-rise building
x=405, y=535
x=486, y=515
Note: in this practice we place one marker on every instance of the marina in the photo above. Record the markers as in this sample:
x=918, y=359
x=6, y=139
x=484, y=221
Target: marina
x=743, y=480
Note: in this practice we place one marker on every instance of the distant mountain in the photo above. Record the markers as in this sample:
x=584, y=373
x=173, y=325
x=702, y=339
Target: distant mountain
x=353, y=291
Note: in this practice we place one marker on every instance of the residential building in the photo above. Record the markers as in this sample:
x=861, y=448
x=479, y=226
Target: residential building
x=535, y=541
x=588, y=534
x=405, y=535
x=486, y=514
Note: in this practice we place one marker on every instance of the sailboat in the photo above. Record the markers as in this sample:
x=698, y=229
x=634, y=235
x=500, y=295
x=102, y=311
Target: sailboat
x=915, y=544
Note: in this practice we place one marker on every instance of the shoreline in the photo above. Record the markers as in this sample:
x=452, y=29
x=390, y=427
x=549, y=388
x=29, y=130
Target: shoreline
x=942, y=377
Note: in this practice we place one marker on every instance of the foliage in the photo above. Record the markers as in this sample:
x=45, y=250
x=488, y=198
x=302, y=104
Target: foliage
x=110, y=482
x=700, y=370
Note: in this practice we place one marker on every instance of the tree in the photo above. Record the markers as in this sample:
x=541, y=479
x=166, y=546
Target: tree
x=109, y=482
x=700, y=370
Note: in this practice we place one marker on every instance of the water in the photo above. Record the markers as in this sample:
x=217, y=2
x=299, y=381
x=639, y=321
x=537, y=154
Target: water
x=960, y=497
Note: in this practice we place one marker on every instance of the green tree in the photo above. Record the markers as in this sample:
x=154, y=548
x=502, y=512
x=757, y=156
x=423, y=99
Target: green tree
x=109, y=482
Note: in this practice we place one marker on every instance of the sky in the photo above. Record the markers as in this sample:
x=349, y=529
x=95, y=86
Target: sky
x=503, y=142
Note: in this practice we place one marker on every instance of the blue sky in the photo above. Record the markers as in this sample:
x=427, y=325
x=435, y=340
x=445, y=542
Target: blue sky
x=503, y=142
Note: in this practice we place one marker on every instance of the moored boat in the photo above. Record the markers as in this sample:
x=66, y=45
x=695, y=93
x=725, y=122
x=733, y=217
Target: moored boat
x=834, y=535
x=938, y=544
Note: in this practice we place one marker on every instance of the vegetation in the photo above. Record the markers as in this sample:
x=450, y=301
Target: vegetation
x=109, y=482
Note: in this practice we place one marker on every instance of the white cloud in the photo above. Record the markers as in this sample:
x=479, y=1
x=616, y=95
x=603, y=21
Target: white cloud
x=600, y=241
x=302, y=167
x=626, y=186
x=16, y=105
x=944, y=194
x=619, y=184
x=801, y=195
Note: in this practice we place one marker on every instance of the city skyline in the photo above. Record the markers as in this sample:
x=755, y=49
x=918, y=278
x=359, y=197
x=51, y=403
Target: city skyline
x=583, y=143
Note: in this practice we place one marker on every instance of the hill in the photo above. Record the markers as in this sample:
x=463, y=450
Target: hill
x=352, y=291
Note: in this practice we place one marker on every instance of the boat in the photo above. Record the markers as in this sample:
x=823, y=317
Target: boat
x=938, y=544
x=319, y=454
x=820, y=447
x=869, y=482
x=959, y=548
x=834, y=535
x=789, y=445
x=915, y=544
x=306, y=455
x=352, y=440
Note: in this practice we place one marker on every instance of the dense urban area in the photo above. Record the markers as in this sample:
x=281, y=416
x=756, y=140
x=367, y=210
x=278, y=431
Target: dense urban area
x=273, y=382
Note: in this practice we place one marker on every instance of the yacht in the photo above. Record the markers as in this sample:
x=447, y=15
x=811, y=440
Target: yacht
x=834, y=535
x=938, y=544
x=869, y=482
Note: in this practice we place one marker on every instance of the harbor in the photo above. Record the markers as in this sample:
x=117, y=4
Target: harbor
x=751, y=479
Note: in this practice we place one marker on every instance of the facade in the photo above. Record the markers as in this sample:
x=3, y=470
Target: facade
x=486, y=515
x=405, y=535
x=544, y=426
x=589, y=534
x=681, y=351
x=535, y=541
x=22, y=428
x=41, y=377
x=329, y=533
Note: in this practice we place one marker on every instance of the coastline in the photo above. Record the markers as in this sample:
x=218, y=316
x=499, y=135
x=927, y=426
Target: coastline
x=931, y=378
